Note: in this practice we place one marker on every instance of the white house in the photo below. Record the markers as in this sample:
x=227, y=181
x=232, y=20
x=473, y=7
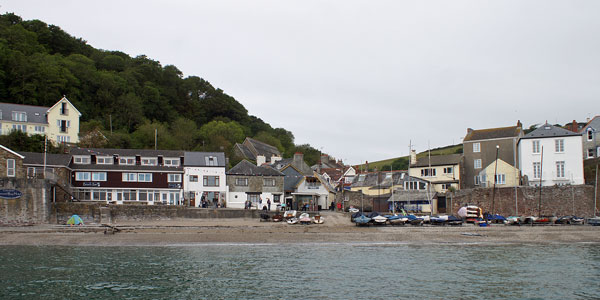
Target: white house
x=551, y=154
x=204, y=178
x=314, y=191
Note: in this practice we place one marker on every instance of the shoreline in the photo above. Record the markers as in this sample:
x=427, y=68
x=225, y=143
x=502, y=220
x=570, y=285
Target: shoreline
x=337, y=229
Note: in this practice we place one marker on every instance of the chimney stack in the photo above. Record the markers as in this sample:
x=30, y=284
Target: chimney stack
x=298, y=159
x=413, y=156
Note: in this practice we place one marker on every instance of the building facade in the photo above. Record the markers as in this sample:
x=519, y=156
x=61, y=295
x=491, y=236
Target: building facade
x=481, y=147
x=60, y=123
x=441, y=171
x=551, y=155
x=204, y=180
x=256, y=185
x=590, y=136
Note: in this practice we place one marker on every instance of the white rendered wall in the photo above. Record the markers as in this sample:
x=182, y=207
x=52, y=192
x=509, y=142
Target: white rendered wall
x=572, y=156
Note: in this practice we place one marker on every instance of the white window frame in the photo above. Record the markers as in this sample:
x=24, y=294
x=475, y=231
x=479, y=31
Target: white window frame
x=144, y=177
x=477, y=164
x=193, y=178
x=560, y=169
x=476, y=147
x=174, y=178
x=500, y=179
x=104, y=160
x=10, y=167
x=129, y=177
x=590, y=134
x=241, y=181
x=559, y=145
x=127, y=160
x=448, y=170
x=428, y=172
x=83, y=176
x=20, y=127
x=535, y=146
x=206, y=181
x=477, y=180
x=590, y=153
x=210, y=160
x=271, y=181
x=19, y=116
x=149, y=161
x=98, y=176
x=537, y=170
x=171, y=162
x=82, y=159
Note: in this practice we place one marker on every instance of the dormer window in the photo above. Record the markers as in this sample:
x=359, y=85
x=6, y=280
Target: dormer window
x=19, y=116
x=127, y=160
x=590, y=133
x=104, y=160
x=149, y=161
x=171, y=162
x=211, y=160
x=81, y=159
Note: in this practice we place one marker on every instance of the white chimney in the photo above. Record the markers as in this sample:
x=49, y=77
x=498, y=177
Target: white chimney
x=413, y=157
x=260, y=160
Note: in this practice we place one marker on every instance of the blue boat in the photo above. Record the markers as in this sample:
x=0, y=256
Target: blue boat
x=362, y=220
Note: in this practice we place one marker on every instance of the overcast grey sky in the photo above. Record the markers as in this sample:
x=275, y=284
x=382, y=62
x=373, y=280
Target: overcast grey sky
x=360, y=79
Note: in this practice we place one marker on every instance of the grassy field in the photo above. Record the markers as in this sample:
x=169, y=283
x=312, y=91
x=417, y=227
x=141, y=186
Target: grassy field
x=384, y=165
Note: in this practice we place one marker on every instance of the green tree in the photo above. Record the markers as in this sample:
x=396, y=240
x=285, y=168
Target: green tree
x=184, y=133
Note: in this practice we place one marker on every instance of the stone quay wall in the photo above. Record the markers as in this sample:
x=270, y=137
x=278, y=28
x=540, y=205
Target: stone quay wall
x=555, y=200
x=33, y=207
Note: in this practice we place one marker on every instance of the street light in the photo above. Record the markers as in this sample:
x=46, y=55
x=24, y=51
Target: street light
x=495, y=179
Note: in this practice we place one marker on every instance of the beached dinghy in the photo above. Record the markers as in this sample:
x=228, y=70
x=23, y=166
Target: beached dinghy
x=379, y=220
x=318, y=219
x=454, y=221
x=439, y=220
x=362, y=220
x=277, y=218
x=304, y=219
x=292, y=221
x=289, y=214
x=512, y=220
x=595, y=221
x=397, y=220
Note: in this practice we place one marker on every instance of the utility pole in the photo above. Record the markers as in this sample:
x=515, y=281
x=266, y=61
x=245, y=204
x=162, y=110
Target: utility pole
x=495, y=179
x=541, y=169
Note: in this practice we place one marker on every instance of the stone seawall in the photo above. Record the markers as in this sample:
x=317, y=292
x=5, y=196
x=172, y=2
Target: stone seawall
x=33, y=207
x=106, y=214
x=555, y=200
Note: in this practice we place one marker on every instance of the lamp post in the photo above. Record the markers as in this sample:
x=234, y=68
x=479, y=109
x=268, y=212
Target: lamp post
x=495, y=179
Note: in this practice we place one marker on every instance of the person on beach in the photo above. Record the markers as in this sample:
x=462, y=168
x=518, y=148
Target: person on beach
x=268, y=204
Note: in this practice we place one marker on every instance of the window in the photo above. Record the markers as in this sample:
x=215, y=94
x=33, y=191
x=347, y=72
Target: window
x=476, y=147
x=130, y=177
x=428, y=172
x=104, y=160
x=144, y=177
x=590, y=153
x=590, y=134
x=19, y=116
x=500, y=179
x=477, y=180
x=82, y=176
x=448, y=170
x=63, y=125
x=81, y=160
x=10, y=167
x=559, y=145
x=537, y=170
x=210, y=161
x=414, y=185
x=99, y=176
x=253, y=198
x=361, y=177
x=193, y=178
x=149, y=161
x=63, y=109
x=171, y=162
x=269, y=182
x=174, y=178
x=31, y=172
x=63, y=138
x=126, y=160
x=40, y=129
x=477, y=164
x=20, y=127
x=536, y=146
x=210, y=180
x=560, y=169
x=241, y=181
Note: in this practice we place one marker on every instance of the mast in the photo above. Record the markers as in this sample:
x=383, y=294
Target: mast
x=428, y=185
x=541, y=169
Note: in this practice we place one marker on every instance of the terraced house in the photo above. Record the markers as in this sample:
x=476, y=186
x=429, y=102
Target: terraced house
x=60, y=123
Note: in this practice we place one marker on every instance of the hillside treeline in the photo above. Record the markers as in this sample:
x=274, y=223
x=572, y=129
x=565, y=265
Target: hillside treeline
x=124, y=98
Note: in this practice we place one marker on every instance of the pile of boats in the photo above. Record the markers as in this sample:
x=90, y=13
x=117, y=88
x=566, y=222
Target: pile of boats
x=290, y=218
x=374, y=218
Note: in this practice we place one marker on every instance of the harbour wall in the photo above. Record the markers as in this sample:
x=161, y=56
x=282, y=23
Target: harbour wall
x=32, y=207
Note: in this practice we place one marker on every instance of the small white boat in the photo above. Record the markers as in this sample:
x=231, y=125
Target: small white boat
x=318, y=219
x=379, y=219
x=353, y=210
x=304, y=218
x=289, y=214
x=292, y=221
x=512, y=220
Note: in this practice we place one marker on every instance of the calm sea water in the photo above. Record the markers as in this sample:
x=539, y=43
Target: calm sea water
x=313, y=271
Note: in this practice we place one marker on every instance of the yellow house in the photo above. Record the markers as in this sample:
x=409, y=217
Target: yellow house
x=60, y=123
x=442, y=171
x=506, y=175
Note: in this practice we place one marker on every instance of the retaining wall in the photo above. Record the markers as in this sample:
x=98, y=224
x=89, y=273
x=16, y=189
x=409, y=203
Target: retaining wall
x=33, y=207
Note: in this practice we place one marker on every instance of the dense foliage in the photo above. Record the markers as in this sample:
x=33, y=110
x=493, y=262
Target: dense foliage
x=124, y=98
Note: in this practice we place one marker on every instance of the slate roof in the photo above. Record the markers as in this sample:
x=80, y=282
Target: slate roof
x=246, y=153
x=593, y=123
x=247, y=168
x=493, y=133
x=52, y=159
x=199, y=159
x=549, y=131
x=126, y=152
x=438, y=160
x=35, y=114
x=334, y=173
x=263, y=148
